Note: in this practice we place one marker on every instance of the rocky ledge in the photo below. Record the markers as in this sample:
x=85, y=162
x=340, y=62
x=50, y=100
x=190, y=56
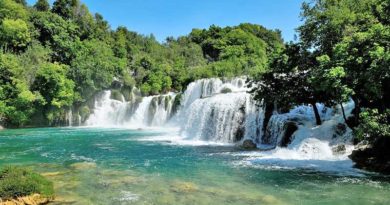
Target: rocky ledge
x=35, y=199
x=248, y=145
x=373, y=156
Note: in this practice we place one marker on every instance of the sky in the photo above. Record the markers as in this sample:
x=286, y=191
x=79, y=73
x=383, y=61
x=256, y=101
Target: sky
x=164, y=18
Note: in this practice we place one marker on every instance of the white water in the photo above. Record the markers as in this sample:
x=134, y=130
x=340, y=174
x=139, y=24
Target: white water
x=215, y=111
x=151, y=111
x=69, y=117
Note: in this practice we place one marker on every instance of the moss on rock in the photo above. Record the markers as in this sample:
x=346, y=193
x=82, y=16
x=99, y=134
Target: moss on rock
x=20, y=184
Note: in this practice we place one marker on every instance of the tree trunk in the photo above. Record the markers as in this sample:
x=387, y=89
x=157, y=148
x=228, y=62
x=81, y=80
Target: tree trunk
x=356, y=112
x=343, y=111
x=317, y=114
x=347, y=121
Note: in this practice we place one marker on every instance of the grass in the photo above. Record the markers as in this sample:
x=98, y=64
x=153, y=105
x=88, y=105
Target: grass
x=18, y=182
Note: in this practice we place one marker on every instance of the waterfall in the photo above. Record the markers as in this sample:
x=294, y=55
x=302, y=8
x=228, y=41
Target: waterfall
x=222, y=110
x=69, y=117
x=148, y=111
x=107, y=111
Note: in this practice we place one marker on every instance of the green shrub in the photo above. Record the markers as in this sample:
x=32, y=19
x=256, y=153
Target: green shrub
x=84, y=112
x=116, y=95
x=373, y=125
x=226, y=90
x=17, y=182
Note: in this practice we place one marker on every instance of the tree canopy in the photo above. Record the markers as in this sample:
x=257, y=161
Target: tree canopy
x=57, y=58
x=344, y=53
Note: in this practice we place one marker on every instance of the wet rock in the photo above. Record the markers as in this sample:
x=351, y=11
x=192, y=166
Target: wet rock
x=1, y=127
x=240, y=133
x=290, y=128
x=341, y=128
x=116, y=84
x=248, y=144
x=176, y=104
x=373, y=156
x=35, y=199
x=339, y=149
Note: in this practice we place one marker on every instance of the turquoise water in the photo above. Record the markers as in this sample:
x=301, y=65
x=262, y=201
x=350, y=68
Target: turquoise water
x=118, y=166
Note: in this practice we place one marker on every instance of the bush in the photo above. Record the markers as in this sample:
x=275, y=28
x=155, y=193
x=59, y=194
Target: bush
x=116, y=95
x=84, y=112
x=226, y=90
x=373, y=125
x=18, y=182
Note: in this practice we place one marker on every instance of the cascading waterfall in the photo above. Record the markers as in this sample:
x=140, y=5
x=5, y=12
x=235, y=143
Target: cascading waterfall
x=107, y=112
x=220, y=110
x=150, y=111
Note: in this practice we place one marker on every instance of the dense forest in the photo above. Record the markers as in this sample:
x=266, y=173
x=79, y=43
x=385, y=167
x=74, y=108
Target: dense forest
x=55, y=57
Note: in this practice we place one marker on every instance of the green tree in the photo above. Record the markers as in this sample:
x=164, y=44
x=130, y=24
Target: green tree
x=14, y=34
x=287, y=83
x=42, y=5
x=23, y=2
x=52, y=82
x=65, y=8
x=11, y=10
x=16, y=100
x=60, y=35
x=94, y=67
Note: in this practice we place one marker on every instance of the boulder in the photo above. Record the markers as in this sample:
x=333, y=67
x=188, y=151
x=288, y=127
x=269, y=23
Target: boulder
x=1, y=127
x=339, y=149
x=248, y=144
x=374, y=156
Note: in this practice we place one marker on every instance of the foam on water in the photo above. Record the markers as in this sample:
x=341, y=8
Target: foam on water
x=221, y=112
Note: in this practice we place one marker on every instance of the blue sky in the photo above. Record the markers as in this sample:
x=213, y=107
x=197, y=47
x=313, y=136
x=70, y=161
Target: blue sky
x=166, y=18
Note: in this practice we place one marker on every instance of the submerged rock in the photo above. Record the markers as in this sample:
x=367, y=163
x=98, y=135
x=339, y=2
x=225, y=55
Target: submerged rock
x=373, y=157
x=35, y=199
x=83, y=165
x=52, y=174
x=184, y=187
x=248, y=144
